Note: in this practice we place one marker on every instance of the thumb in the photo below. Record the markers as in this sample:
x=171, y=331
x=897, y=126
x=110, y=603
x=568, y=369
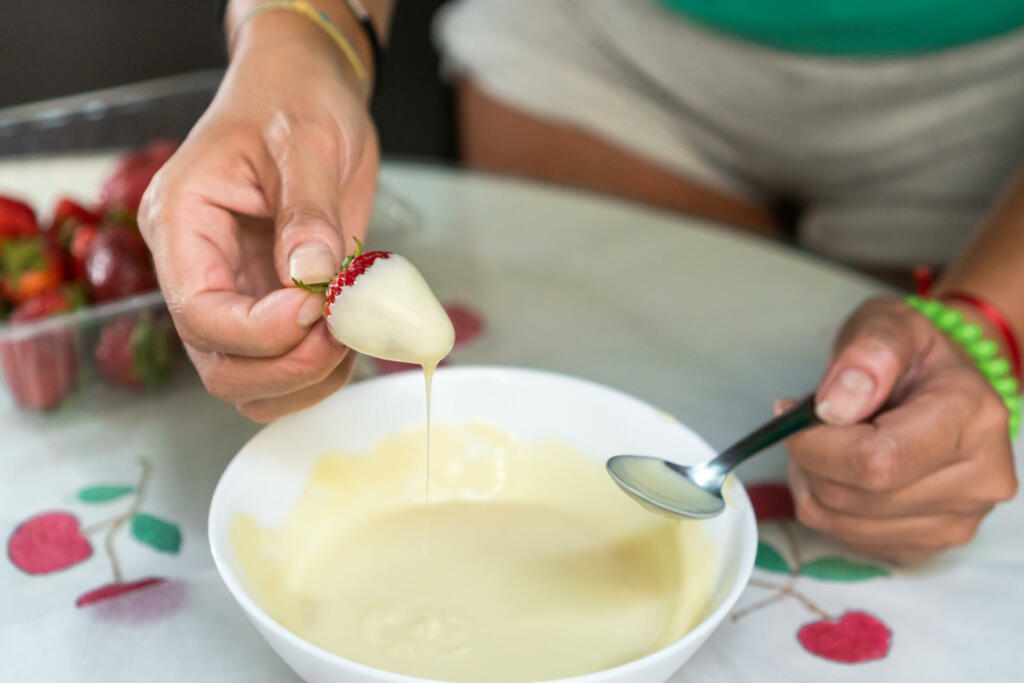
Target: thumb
x=308, y=244
x=876, y=348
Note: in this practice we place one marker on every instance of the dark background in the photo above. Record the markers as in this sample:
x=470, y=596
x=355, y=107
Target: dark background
x=53, y=48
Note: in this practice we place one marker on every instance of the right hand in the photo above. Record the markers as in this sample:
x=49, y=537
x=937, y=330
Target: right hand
x=275, y=181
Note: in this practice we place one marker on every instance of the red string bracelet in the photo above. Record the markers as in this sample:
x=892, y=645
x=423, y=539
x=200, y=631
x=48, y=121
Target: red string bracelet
x=997, y=319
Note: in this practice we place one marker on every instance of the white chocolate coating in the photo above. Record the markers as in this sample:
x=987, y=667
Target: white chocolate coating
x=390, y=312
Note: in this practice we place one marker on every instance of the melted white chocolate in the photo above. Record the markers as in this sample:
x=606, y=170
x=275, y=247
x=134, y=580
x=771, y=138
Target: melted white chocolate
x=535, y=565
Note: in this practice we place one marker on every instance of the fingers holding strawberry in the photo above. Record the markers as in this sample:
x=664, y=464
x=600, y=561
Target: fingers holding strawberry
x=275, y=181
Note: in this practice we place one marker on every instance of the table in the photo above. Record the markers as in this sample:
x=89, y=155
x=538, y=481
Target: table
x=706, y=323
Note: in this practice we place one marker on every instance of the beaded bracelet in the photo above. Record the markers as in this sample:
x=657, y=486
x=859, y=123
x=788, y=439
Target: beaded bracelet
x=320, y=19
x=995, y=368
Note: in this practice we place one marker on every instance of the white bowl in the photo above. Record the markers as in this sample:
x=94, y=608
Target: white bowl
x=268, y=474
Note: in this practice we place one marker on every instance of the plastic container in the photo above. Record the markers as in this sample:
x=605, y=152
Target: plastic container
x=128, y=345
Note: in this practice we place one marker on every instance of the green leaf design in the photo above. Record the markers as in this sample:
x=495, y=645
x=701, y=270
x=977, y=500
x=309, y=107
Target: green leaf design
x=157, y=533
x=103, y=493
x=840, y=569
x=769, y=559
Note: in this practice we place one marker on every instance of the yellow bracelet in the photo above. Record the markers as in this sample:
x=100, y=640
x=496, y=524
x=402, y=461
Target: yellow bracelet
x=320, y=19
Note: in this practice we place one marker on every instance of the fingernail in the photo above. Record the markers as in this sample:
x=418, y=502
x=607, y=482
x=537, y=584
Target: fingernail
x=312, y=262
x=849, y=396
x=777, y=407
x=311, y=311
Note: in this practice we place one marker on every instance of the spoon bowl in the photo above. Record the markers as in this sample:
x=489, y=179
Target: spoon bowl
x=695, y=491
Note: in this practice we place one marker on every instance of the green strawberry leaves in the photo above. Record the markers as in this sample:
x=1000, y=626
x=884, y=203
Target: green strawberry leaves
x=841, y=569
x=313, y=287
x=157, y=533
x=22, y=255
x=322, y=286
x=103, y=493
x=770, y=560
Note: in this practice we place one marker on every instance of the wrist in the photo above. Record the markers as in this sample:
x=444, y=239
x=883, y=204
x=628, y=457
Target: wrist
x=989, y=330
x=294, y=38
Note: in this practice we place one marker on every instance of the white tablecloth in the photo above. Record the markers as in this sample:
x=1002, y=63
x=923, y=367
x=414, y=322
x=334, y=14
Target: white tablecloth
x=707, y=324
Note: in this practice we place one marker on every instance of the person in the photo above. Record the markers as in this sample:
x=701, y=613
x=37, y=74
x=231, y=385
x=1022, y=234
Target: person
x=895, y=144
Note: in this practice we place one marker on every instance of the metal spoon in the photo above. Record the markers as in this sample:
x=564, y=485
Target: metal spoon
x=696, y=490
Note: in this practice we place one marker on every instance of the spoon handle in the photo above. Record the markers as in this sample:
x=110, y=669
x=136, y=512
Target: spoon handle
x=801, y=416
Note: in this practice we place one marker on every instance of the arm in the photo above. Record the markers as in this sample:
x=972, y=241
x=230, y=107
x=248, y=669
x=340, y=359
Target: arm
x=275, y=181
x=993, y=265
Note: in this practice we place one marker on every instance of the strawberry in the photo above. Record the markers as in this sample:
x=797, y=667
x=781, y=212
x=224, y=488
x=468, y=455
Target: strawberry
x=117, y=264
x=137, y=350
x=380, y=305
x=29, y=266
x=123, y=189
x=17, y=219
x=78, y=248
x=67, y=216
x=41, y=368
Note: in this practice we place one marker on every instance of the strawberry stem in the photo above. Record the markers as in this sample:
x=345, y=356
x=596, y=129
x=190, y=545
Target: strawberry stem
x=322, y=286
x=314, y=287
x=352, y=257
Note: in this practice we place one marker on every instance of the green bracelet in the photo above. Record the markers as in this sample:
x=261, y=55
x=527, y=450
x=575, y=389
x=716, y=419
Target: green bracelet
x=995, y=368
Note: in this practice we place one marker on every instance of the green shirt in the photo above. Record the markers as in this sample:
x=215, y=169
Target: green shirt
x=856, y=27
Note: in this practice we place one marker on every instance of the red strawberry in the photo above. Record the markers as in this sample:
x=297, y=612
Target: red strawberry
x=137, y=350
x=69, y=208
x=67, y=216
x=41, y=368
x=124, y=187
x=17, y=219
x=78, y=248
x=29, y=266
x=117, y=264
x=380, y=305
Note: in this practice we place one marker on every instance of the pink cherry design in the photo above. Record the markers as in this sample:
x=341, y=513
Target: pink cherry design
x=150, y=598
x=771, y=501
x=855, y=637
x=112, y=590
x=47, y=543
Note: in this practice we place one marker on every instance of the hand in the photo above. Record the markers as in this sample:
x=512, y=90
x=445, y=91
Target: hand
x=935, y=458
x=273, y=180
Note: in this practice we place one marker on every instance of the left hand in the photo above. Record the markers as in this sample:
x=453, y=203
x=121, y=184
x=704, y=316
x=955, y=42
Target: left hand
x=935, y=458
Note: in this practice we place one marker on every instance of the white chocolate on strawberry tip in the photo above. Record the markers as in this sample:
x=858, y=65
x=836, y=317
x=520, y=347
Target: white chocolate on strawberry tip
x=390, y=312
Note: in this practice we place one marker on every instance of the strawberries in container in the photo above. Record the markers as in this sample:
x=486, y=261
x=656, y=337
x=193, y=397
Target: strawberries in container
x=41, y=368
x=78, y=293
x=137, y=350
